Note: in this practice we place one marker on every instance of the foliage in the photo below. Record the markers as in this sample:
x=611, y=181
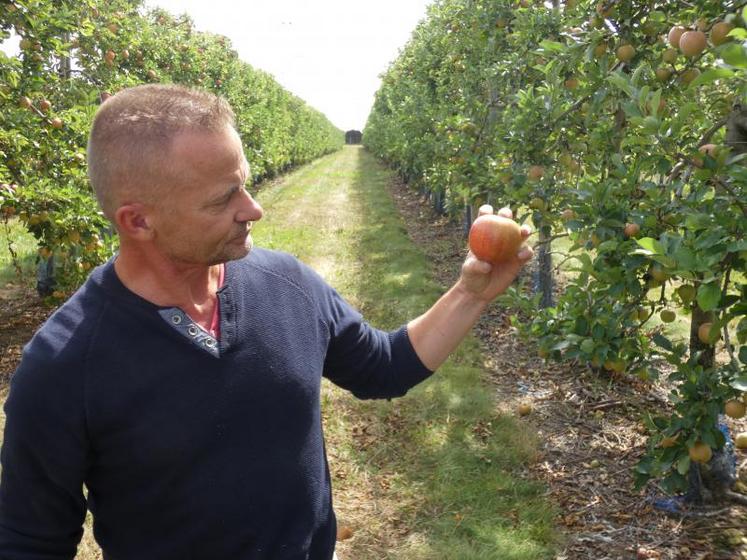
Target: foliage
x=47, y=104
x=536, y=105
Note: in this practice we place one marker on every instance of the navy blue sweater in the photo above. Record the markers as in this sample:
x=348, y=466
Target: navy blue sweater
x=190, y=448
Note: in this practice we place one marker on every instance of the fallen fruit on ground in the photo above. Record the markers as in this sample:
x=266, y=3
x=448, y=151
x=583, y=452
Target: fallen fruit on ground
x=741, y=441
x=524, y=408
x=494, y=239
x=700, y=453
x=344, y=533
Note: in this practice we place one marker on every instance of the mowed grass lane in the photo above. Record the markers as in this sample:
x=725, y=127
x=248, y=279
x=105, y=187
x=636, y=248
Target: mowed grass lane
x=436, y=474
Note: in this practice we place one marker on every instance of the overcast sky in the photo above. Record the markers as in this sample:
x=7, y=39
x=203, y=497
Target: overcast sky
x=328, y=52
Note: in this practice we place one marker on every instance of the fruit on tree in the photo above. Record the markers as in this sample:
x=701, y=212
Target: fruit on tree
x=667, y=316
x=686, y=292
x=152, y=74
x=707, y=335
x=692, y=43
x=669, y=56
x=720, y=32
x=674, y=35
x=56, y=123
x=625, y=53
x=568, y=214
x=535, y=172
x=468, y=127
x=735, y=408
x=25, y=102
x=689, y=75
x=632, y=229
x=45, y=105
x=658, y=273
x=494, y=238
x=605, y=8
x=600, y=49
x=700, y=452
x=538, y=203
x=663, y=74
x=709, y=149
x=571, y=83
x=669, y=441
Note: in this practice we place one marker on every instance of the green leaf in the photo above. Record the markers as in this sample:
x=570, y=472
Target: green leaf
x=664, y=260
x=740, y=383
x=618, y=80
x=742, y=331
x=552, y=46
x=711, y=76
x=651, y=247
x=663, y=341
x=709, y=296
x=683, y=464
x=743, y=355
x=734, y=55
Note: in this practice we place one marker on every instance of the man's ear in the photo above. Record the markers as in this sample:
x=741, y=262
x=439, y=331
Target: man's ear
x=133, y=221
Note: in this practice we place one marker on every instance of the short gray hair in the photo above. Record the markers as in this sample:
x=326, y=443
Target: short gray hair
x=132, y=134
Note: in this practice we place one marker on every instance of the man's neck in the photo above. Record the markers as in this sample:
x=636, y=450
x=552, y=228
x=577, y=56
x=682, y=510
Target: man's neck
x=166, y=283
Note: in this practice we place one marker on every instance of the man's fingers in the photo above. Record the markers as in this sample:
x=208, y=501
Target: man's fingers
x=485, y=209
x=526, y=231
x=476, y=266
x=506, y=212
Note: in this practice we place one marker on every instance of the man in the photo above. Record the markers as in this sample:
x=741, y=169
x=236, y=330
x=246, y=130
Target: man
x=181, y=383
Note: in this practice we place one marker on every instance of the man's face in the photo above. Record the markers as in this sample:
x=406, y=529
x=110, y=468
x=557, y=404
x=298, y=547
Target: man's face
x=208, y=215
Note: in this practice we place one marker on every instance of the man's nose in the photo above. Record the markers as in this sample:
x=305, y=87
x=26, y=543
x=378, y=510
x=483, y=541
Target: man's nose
x=250, y=210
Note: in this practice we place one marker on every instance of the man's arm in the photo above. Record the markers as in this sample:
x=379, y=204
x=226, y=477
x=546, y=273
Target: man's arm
x=437, y=333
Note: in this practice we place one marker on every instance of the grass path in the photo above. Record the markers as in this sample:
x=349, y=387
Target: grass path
x=438, y=473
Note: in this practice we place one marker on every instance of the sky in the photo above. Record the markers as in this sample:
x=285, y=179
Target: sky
x=329, y=53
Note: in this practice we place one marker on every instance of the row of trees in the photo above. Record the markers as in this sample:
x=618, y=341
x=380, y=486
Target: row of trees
x=617, y=127
x=73, y=56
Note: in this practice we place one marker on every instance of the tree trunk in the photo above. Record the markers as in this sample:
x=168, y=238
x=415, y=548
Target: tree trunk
x=543, y=282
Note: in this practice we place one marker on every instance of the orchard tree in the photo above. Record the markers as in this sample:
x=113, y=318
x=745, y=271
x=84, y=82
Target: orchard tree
x=618, y=129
